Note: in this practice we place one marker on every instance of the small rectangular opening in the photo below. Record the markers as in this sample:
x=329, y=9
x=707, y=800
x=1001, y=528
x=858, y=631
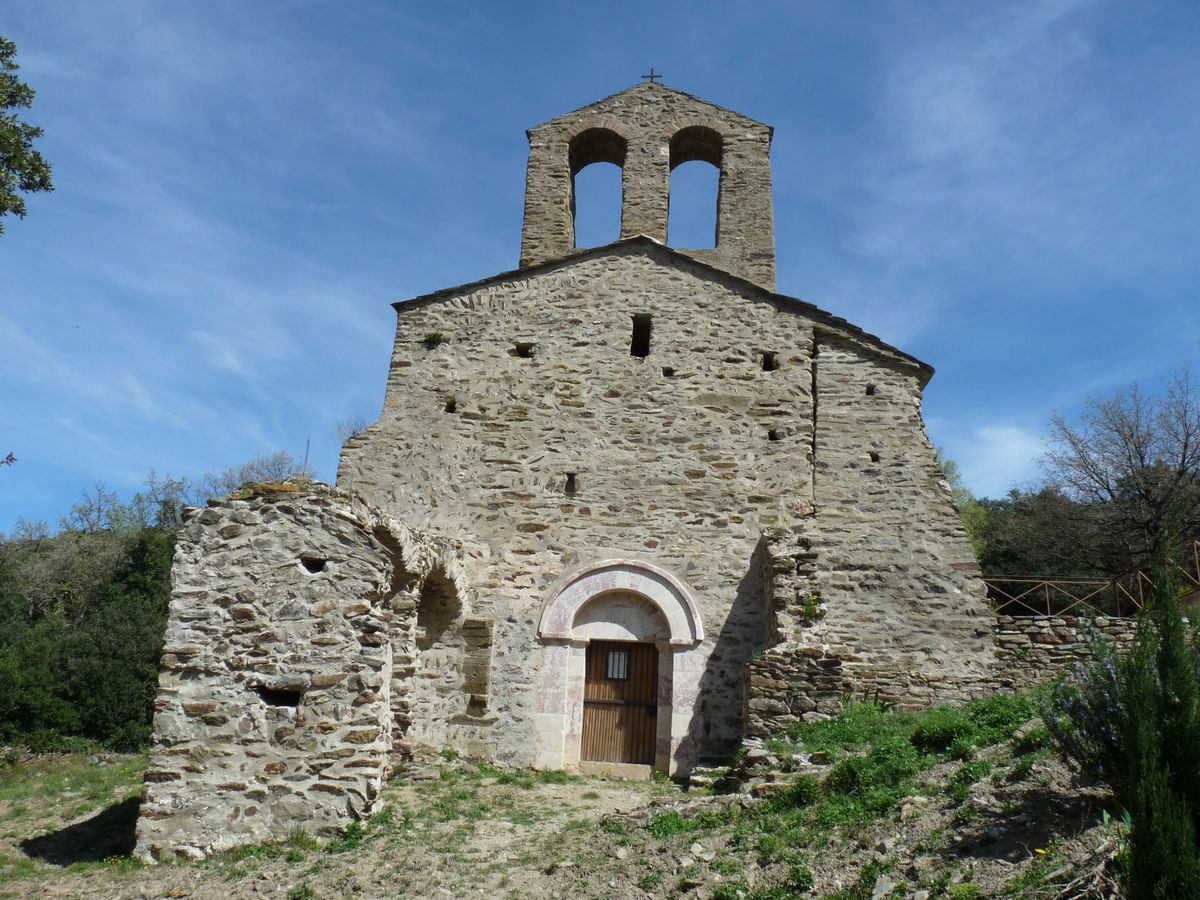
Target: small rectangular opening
x=870, y=390
x=522, y=350
x=873, y=455
x=571, y=486
x=774, y=435
x=770, y=361
x=451, y=405
x=640, y=344
x=668, y=372
x=618, y=665
x=279, y=696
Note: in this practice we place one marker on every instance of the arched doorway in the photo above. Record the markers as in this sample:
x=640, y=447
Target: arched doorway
x=620, y=671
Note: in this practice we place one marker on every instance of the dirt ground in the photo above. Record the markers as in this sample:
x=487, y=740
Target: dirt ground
x=445, y=831
x=454, y=829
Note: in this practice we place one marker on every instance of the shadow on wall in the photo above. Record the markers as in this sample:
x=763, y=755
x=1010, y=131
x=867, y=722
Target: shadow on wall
x=717, y=727
x=438, y=611
x=108, y=833
x=437, y=695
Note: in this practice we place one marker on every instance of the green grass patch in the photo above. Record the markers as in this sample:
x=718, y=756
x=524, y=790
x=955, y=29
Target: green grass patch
x=970, y=772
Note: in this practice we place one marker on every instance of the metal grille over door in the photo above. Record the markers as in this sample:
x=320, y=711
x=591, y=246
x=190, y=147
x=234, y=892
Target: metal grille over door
x=620, y=703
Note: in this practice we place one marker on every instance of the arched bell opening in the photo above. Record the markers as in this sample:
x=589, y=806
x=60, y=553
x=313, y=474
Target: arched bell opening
x=596, y=157
x=694, y=203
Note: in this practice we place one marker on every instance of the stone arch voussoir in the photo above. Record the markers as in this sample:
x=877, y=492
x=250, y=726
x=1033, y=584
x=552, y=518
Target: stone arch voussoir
x=668, y=593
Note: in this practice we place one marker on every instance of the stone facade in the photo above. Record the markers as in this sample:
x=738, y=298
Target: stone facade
x=668, y=409
x=628, y=443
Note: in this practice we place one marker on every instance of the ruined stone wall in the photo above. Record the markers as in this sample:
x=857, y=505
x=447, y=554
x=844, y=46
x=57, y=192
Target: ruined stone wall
x=679, y=459
x=289, y=650
x=646, y=118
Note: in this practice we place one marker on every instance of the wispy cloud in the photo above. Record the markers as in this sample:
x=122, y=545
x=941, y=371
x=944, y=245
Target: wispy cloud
x=995, y=458
x=242, y=188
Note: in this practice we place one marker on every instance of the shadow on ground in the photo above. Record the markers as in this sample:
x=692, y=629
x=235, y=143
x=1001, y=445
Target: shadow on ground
x=1030, y=818
x=108, y=833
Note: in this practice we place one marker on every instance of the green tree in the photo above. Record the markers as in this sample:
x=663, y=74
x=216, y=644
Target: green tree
x=1044, y=532
x=22, y=169
x=971, y=510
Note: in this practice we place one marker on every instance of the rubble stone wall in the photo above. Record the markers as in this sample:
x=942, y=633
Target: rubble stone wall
x=796, y=682
x=292, y=613
x=1031, y=650
x=902, y=592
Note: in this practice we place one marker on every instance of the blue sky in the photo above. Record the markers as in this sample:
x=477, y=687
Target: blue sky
x=1008, y=191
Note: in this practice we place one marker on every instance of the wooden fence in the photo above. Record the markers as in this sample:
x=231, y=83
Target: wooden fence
x=1124, y=595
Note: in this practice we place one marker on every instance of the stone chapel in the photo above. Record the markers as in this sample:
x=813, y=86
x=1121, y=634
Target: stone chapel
x=623, y=506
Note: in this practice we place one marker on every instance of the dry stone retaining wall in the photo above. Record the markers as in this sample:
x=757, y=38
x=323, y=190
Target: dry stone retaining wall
x=1031, y=650
x=796, y=682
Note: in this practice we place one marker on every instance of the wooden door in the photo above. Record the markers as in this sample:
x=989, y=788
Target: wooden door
x=620, y=703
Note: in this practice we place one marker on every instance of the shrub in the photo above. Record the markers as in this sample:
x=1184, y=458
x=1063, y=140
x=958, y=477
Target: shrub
x=940, y=729
x=1087, y=716
x=890, y=761
x=803, y=791
x=1032, y=741
x=800, y=878
x=1135, y=722
x=960, y=784
x=996, y=717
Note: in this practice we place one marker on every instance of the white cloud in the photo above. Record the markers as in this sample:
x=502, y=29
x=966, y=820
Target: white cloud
x=995, y=458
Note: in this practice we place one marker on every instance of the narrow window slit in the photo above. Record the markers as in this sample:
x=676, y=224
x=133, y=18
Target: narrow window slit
x=870, y=390
x=770, y=361
x=280, y=696
x=451, y=404
x=522, y=350
x=571, y=486
x=640, y=344
x=312, y=564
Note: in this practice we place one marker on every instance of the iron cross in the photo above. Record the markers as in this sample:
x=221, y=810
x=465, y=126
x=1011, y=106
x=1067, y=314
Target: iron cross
x=653, y=76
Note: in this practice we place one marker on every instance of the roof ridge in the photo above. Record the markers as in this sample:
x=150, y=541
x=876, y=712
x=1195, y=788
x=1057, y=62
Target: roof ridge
x=645, y=85
x=851, y=330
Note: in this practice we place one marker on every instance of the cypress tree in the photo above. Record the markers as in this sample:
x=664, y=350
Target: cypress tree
x=1162, y=731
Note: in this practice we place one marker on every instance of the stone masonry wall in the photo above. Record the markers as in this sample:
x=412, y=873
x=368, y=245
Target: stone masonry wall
x=797, y=682
x=1031, y=650
x=902, y=590
x=679, y=459
x=517, y=419
x=291, y=612
x=647, y=116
